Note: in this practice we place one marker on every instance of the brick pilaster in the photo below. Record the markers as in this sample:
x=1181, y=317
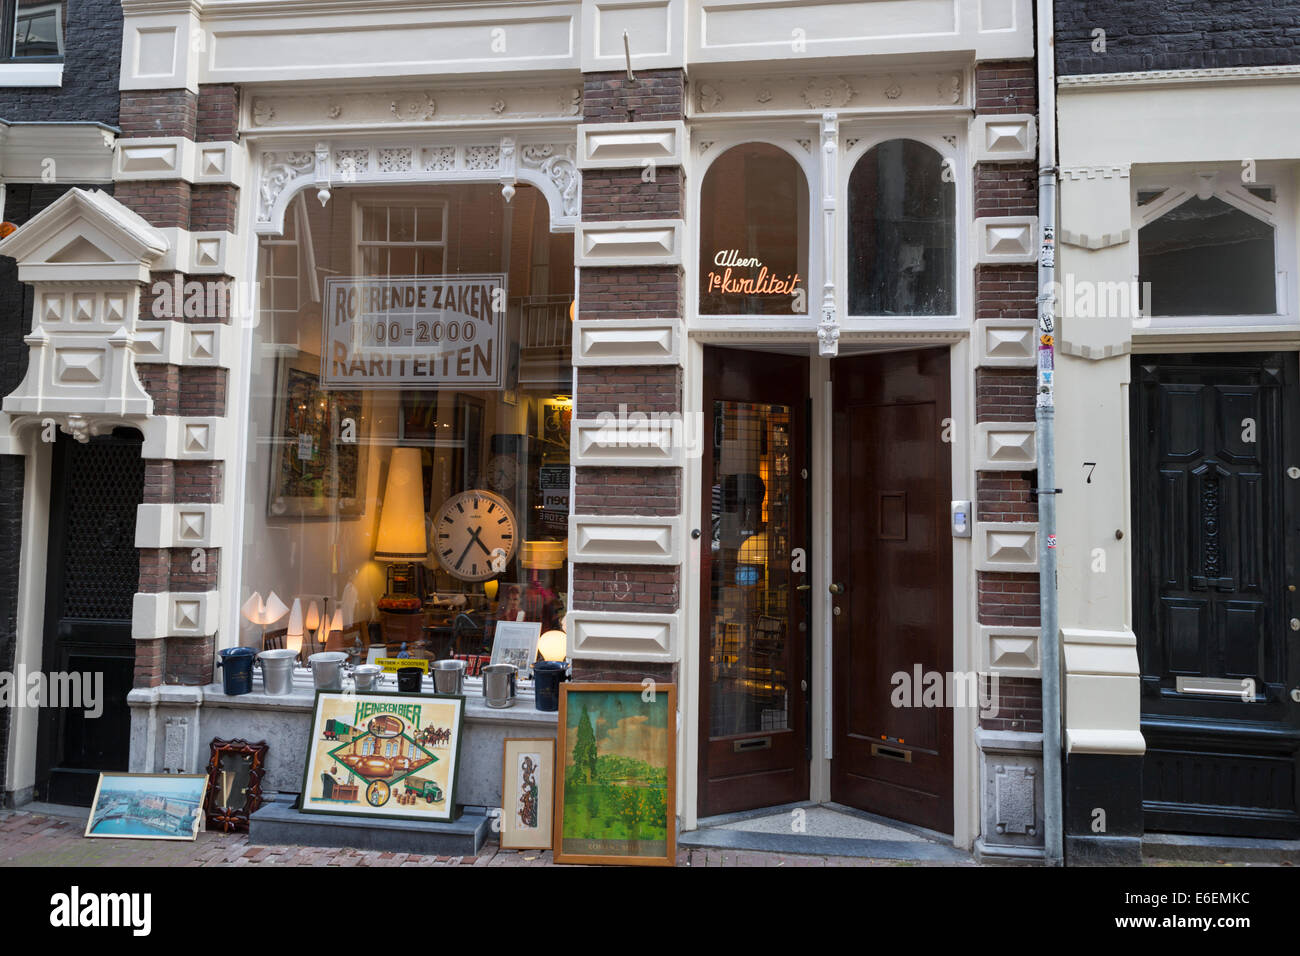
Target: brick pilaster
x=617, y=293
x=187, y=391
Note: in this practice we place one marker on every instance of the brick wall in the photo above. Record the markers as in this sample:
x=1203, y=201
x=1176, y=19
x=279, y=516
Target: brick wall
x=1019, y=705
x=1010, y=87
x=1008, y=598
x=628, y=491
x=1004, y=496
x=650, y=292
x=92, y=66
x=1175, y=35
x=610, y=98
x=159, y=113
x=608, y=587
x=1006, y=292
x=641, y=389
x=613, y=194
x=1006, y=189
x=1005, y=394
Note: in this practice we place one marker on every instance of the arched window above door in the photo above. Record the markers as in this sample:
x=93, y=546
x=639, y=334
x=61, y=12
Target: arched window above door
x=754, y=234
x=902, y=232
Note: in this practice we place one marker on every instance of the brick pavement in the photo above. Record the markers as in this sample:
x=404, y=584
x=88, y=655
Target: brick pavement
x=28, y=839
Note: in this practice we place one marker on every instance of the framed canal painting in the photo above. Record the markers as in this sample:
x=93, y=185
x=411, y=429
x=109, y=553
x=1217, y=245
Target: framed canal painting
x=527, y=793
x=615, y=789
x=384, y=755
x=148, y=806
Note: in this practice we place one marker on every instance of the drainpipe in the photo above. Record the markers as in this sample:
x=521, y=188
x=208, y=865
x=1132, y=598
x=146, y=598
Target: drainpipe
x=1045, y=418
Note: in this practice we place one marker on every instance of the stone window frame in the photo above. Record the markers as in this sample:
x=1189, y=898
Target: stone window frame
x=1222, y=181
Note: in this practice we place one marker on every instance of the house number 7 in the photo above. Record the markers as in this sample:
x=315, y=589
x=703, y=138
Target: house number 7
x=1091, y=466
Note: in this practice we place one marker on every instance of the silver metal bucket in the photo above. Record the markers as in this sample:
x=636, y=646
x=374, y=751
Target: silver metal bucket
x=367, y=676
x=499, y=685
x=327, y=669
x=449, y=677
x=277, y=671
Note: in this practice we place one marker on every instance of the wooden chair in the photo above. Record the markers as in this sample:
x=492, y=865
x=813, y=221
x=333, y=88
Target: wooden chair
x=274, y=640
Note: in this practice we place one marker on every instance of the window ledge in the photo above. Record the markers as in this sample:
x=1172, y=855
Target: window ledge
x=31, y=74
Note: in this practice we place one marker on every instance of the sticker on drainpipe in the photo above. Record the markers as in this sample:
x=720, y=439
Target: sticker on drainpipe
x=1047, y=254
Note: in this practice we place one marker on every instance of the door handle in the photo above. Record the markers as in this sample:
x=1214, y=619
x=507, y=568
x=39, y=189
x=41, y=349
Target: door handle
x=803, y=587
x=837, y=588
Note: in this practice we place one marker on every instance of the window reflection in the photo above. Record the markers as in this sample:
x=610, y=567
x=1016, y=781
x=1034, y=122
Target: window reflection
x=409, y=459
x=38, y=28
x=901, y=232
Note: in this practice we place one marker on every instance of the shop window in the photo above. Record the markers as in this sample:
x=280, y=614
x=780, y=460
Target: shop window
x=1207, y=257
x=754, y=234
x=409, y=424
x=902, y=228
x=37, y=28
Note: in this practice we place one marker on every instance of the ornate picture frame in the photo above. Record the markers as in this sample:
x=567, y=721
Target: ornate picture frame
x=235, y=769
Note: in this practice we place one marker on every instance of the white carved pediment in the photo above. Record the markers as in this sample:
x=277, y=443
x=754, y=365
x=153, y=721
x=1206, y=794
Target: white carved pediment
x=85, y=235
x=86, y=257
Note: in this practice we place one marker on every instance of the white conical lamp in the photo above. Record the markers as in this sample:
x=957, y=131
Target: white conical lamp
x=293, y=638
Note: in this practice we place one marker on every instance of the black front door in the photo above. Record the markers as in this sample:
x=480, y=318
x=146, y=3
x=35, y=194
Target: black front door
x=1216, y=474
x=92, y=575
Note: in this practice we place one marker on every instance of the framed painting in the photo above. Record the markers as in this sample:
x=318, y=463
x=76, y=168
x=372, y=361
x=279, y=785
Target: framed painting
x=148, y=806
x=527, y=793
x=315, y=473
x=384, y=755
x=615, y=787
x=515, y=642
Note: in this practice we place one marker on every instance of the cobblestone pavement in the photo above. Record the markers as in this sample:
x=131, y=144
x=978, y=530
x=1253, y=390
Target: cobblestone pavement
x=29, y=839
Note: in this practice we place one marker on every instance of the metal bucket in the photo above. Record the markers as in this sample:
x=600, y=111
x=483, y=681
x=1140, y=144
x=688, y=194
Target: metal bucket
x=367, y=676
x=327, y=669
x=277, y=671
x=499, y=685
x=449, y=677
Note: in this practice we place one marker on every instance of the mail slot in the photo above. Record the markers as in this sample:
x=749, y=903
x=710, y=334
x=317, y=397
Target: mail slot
x=891, y=753
x=753, y=743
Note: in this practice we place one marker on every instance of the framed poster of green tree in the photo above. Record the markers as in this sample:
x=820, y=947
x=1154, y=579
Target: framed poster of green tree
x=615, y=793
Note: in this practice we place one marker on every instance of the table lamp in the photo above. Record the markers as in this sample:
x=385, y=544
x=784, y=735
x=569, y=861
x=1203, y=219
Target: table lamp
x=402, y=539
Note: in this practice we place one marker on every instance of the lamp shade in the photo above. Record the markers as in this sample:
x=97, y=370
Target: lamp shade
x=544, y=555
x=313, y=616
x=295, y=619
x=401, y=522
x=553, y=646
x=336, y=623
x=264, y=612
x=490, y=587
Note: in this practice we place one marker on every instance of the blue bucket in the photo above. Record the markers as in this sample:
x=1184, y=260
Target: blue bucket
x=236, y=665
x=547, y=676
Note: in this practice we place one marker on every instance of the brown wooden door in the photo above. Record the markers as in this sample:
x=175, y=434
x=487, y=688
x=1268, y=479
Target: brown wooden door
x=753, y=620
x=893, y=561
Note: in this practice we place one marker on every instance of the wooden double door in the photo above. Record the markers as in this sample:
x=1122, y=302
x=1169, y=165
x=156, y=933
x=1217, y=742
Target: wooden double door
x=891, y=583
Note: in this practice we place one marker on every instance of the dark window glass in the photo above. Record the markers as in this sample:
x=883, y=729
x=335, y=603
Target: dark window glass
x=754, y=234
x=901, y=232
x=1205, y=257
x=38, y=28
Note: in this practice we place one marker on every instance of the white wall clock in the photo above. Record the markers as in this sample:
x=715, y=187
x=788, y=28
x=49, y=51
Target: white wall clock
x=475, y=535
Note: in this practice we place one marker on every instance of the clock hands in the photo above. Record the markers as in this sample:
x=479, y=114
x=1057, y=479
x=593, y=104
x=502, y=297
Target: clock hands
x=473, y=540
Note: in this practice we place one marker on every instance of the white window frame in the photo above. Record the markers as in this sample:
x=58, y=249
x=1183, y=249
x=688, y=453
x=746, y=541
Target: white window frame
x=785, y=137
x=1222, y=181
x=389, y=200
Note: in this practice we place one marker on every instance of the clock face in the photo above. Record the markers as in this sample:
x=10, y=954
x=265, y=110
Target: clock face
x=474, y=535
x=503, y=473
